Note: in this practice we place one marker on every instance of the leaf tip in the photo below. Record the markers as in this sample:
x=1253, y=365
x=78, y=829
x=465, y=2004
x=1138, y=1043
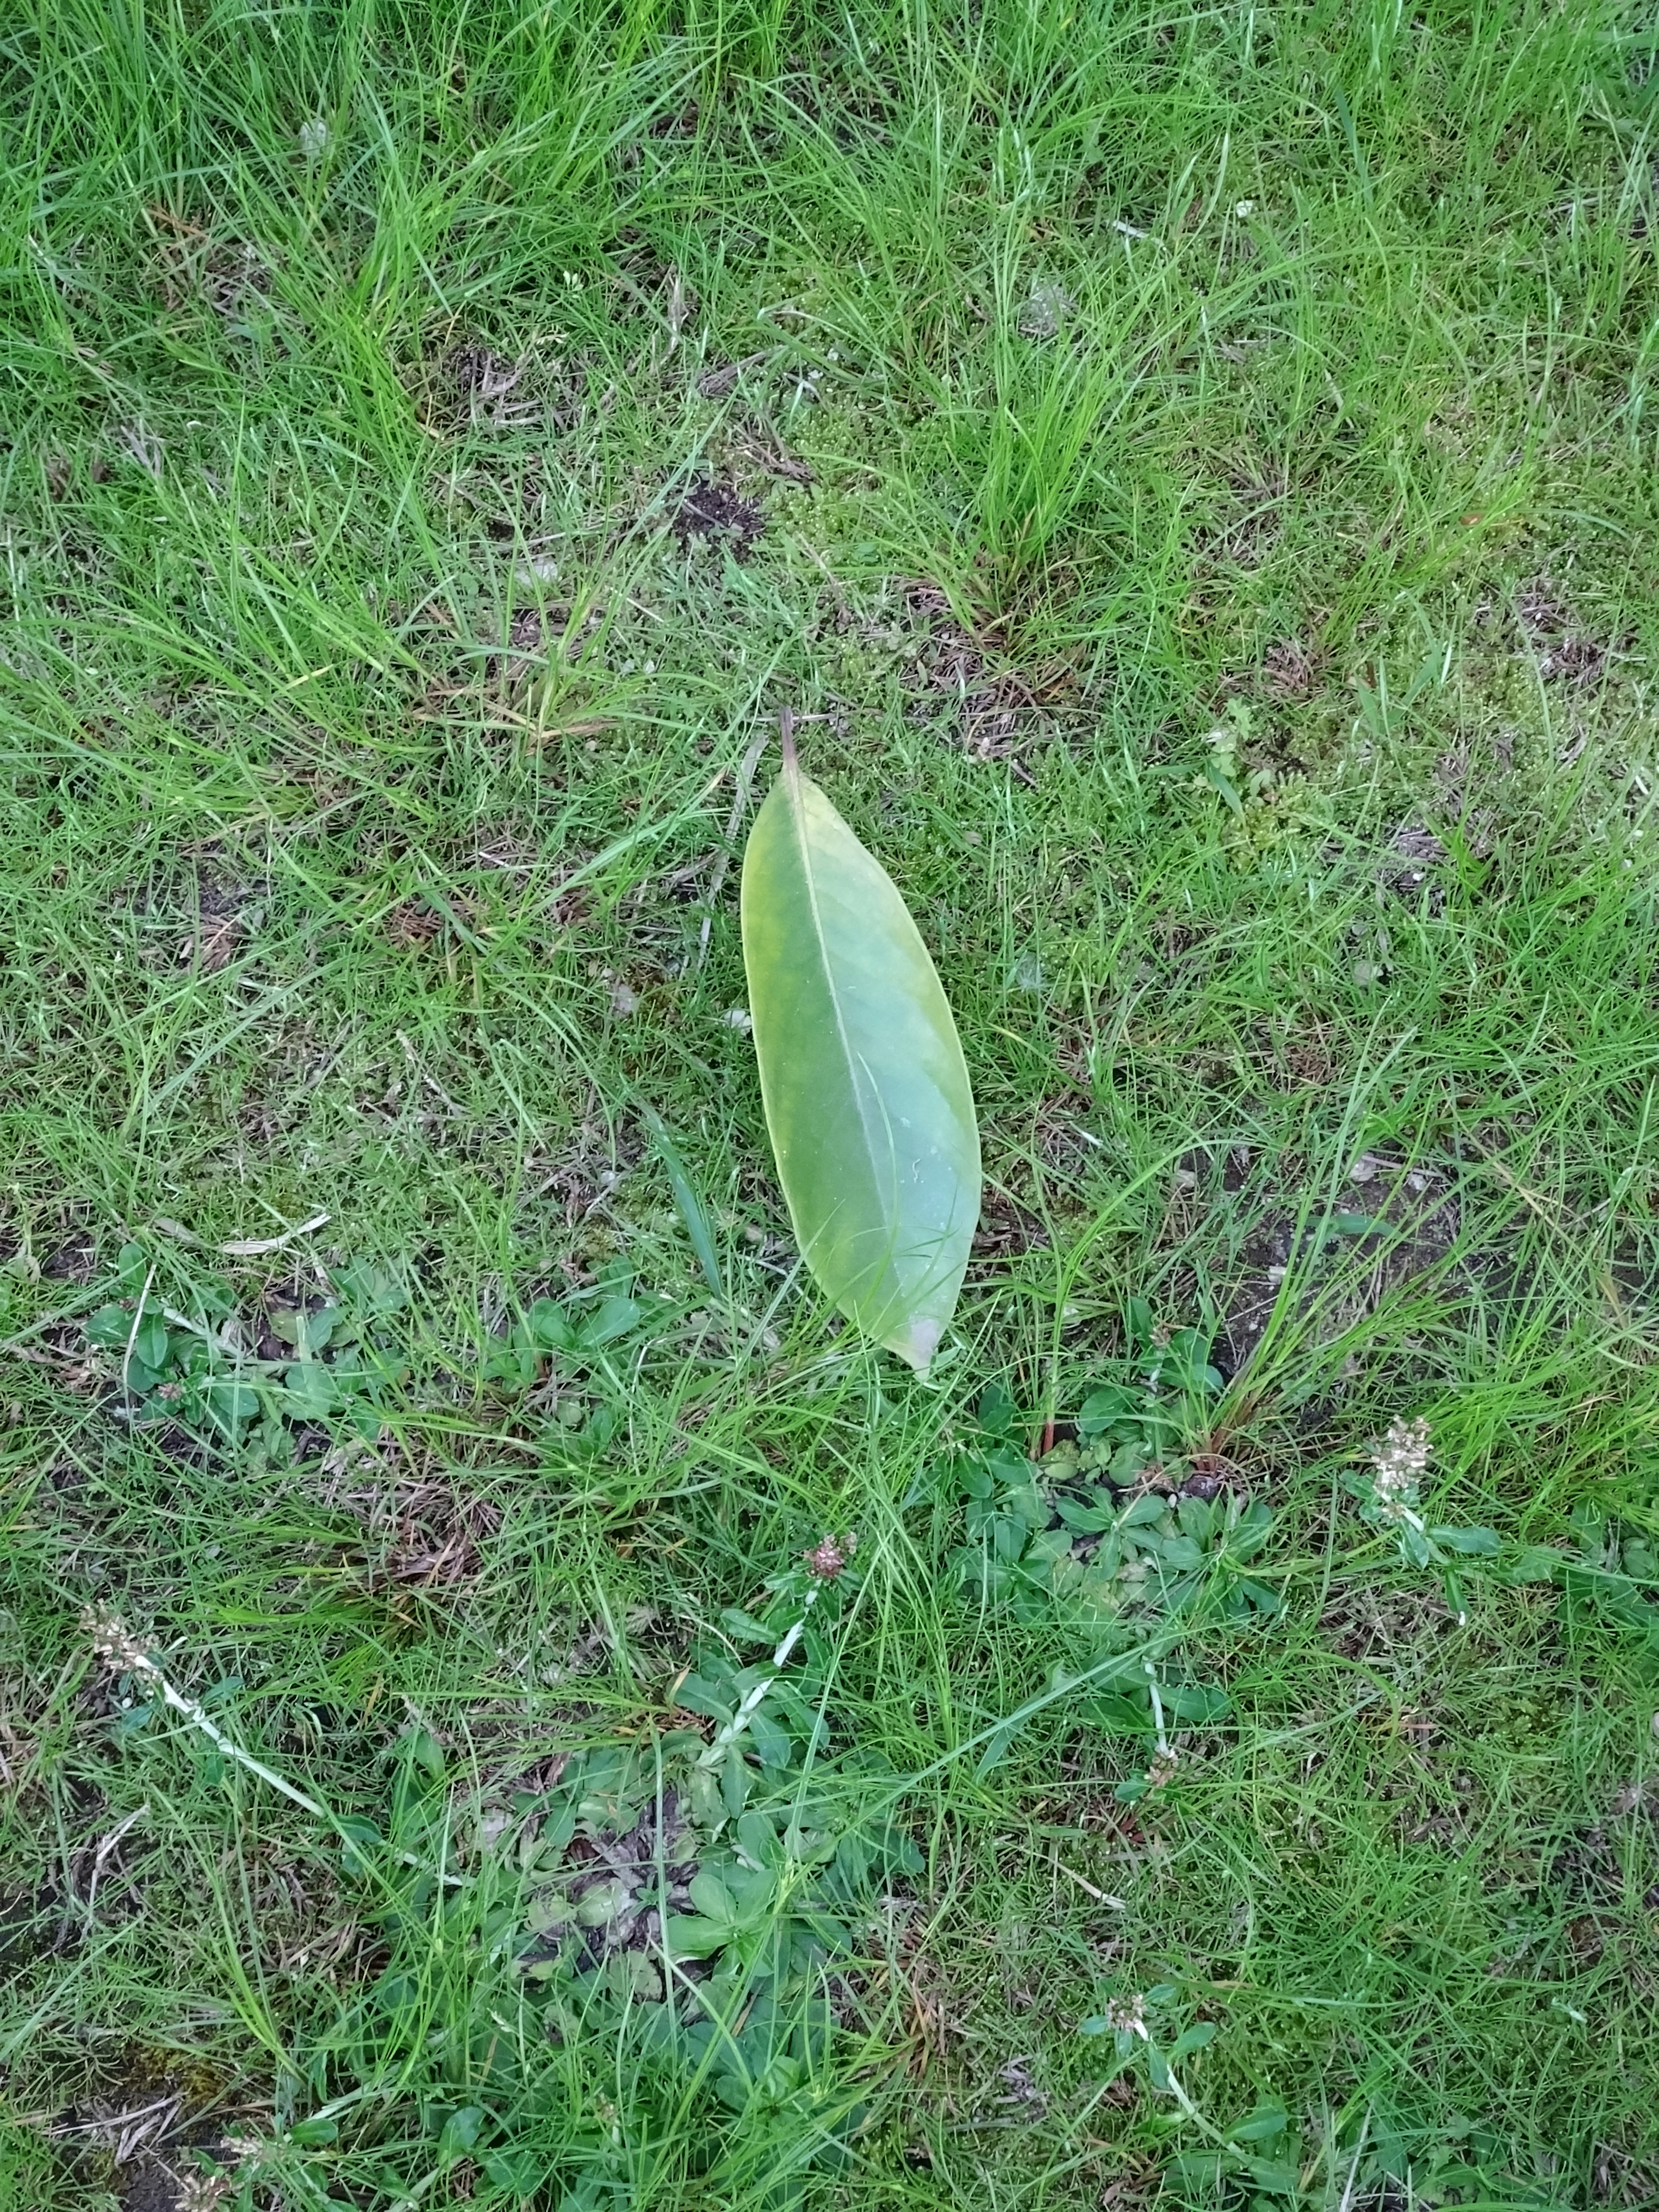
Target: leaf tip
x=917, y=1343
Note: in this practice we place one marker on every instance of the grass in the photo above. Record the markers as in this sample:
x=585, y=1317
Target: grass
x=1194, y=476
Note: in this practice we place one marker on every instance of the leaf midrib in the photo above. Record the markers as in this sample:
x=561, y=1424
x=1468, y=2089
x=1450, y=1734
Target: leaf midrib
x=798, y=817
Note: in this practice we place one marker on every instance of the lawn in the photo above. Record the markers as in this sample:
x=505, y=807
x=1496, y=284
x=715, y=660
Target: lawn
x=1191, y=474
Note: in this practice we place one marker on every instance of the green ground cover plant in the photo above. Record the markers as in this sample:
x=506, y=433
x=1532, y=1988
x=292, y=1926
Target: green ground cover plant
x=505, y=1698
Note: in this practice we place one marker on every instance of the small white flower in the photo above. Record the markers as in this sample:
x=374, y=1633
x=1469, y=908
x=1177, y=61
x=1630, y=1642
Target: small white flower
x=1244, y=207
x=121, y=1653
x=1398, y=1466
x=1048, y=309
x=201, y=2192
x=315, y=138
x=739, y=1018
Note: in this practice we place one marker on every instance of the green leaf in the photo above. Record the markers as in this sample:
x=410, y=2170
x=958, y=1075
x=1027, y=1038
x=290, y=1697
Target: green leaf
x=308, y=1391
x=686, y=1199
x=460, y=2133
x=712, y=1899
x=150, y=1344
x=1180, y=1553
x=689, y=1936
x=1282, y=2180
x=372, y=1290
x=550, y=1326
x=1196, y=1705
x=998, y=1416
x=758, y=1839
x=744, y=1628
x=1220, y=782
x=611, y=1318
x=1091, y=1519
x=317, y=1330
x=1123, y=1715
x=774, y=1746
x=1261, y=2125
x=1473, y=1543
x=520, y=2173
x=1113, y=1401
x=1199, y=2169
x=1539, y=1562
x=111, y=1326
x=865, y=1086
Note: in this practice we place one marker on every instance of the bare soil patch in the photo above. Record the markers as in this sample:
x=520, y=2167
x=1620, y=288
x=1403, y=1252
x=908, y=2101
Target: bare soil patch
x=719, y=512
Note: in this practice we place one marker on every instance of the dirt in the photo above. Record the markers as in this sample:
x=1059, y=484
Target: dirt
x=1562, y=644
x=434, y=1532
x=196, y=913
x=228, y=276
x=1006, y=1230
x=997, y=710
x=527, y=631
x=505, y=848
x=26, y=1920
x=627, y=1866
x=719, y=512
x=725, y=376
x=1421, y=852
x=579, y=1181
x=534, y=635
x=412, y=924
x=1588, y=1872
x=1462, y=777
x=1371, y=1625
x=151, y=2187
x=682, y=123
x=470, y=384
x=75, y=1260
x=1290, y=671
x=1412, y=1224
x=757, y=443
x=1245, y=528
x=133, y=2132
x=222, y=922
x=570, y=905
x=1064, y=1148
